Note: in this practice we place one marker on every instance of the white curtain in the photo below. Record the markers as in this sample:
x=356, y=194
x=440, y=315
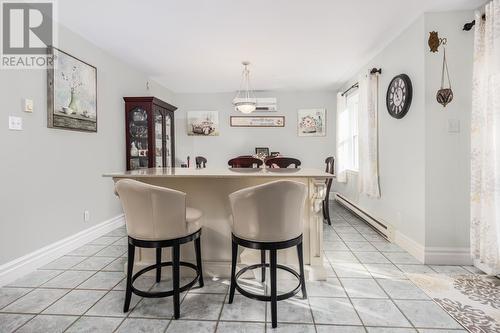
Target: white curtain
x=340, y=160
x=485, y=142
x=368, y=182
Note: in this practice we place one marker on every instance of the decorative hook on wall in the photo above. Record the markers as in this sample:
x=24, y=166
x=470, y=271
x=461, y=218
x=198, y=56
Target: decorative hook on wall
x=376, y=70
x=435, y=42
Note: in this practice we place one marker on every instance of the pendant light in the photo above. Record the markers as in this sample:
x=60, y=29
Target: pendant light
x=245, y=100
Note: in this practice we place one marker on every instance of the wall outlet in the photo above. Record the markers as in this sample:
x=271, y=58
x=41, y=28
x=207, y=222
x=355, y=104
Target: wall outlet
x=15, y=123
x=86, y=216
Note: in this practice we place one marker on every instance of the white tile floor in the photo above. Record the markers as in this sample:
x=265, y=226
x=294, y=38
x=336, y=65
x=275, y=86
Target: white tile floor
x=366, y=291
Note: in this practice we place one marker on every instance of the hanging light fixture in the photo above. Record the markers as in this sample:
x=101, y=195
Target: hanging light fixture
x=245, y=100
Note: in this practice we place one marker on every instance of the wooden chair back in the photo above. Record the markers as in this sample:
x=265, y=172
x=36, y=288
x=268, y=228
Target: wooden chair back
x=244, y=162
x=330, y=168
x=201, y=162
x=282, y=162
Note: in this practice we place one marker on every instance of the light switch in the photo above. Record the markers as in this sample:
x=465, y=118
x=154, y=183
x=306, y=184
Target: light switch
x=15, y=123
x=453, y=126
x=28, y=105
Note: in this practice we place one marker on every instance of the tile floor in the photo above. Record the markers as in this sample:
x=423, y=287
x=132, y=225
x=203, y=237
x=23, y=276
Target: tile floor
x=366, y=291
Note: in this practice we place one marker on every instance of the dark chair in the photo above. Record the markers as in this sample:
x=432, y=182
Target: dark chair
x=201, y=162
x=282, y=162
x=244, y=162
x=330, y=168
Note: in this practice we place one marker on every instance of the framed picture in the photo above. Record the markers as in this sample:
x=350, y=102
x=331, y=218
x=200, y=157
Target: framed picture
x=203, y=123
x=257, y=121
x=262, y=151
x=311, y=122
x=275, y=154
x=71, y=93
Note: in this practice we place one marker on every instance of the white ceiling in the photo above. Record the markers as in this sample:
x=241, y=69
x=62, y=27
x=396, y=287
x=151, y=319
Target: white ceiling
x=198, y=45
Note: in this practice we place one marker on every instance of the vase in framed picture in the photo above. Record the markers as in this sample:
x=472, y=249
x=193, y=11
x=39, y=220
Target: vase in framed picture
x=71, y=93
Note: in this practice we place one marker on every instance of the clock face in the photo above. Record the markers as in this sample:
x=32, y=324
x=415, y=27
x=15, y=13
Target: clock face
x=399, y=94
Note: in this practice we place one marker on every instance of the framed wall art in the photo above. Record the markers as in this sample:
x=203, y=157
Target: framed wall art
x=311, y=122
x=262, y=151
x=257, y=121
x=203, y=123
x=71, y=93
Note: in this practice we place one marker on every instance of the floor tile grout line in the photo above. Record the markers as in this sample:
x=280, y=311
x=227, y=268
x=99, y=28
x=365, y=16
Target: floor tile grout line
x=394, y=300
x=348, y=297
x=104, y=295
x=186, y=293
x=68, y=291
x=220, y=312
x=383, y=290
x=389, y=296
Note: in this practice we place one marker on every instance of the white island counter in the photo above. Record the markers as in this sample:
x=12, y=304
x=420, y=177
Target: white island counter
x=208, y=189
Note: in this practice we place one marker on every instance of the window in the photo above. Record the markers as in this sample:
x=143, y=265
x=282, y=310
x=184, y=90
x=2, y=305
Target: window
x=348, y=132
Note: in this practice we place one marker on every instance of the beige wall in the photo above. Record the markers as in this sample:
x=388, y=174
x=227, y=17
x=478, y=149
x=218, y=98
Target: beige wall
x=401, y=141
x=234, y=141
x=424, y=169
x=48, y=177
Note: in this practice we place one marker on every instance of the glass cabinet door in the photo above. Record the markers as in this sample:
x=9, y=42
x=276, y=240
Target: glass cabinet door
x=158, y=124
x=138, y=132
x=168, y=140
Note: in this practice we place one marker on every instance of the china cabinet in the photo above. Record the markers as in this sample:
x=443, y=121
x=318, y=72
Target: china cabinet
x=149, y=133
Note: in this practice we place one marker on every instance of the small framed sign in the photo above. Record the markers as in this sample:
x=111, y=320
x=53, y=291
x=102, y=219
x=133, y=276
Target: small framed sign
x=257, y=121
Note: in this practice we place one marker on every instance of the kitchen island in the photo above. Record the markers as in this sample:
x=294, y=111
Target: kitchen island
x=208, y=189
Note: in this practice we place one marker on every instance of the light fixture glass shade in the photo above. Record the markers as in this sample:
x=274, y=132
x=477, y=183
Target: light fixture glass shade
x=246, y=106
x=245, y=102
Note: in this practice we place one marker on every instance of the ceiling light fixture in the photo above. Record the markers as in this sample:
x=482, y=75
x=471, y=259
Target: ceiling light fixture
x=245, y=100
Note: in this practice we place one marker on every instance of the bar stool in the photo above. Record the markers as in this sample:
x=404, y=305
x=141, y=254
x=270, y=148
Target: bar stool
x=157, y=217
x=268, y=217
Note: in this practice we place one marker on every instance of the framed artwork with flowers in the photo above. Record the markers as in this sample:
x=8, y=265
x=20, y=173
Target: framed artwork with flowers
x=311, y=122
x=72, y=93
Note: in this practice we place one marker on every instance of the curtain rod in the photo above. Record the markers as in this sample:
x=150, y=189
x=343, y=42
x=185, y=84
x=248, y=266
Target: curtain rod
x=356, y=85
x=468, y=26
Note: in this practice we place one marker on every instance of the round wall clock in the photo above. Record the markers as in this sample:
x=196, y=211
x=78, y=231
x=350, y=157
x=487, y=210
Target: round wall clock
x=399, y=94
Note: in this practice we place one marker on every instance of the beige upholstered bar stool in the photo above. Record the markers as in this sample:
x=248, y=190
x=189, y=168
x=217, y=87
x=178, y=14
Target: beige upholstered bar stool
x=268, y=217
x=157, y=217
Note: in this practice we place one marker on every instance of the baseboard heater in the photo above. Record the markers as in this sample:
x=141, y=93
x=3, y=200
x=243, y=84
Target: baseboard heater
x=376, y=224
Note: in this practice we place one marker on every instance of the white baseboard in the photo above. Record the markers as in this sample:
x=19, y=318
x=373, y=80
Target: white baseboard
x=448, y=256
x=21, y=266
x=415, y=249
x=434, y=255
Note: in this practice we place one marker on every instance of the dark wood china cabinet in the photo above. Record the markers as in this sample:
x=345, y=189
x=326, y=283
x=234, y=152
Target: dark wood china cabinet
x=150, y=133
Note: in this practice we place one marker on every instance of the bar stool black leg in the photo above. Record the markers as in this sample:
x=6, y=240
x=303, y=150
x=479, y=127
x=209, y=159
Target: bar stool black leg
x=197, y=247
x=175, y=277
x=302, y=275
x=234, y=256
x=130, y=269
x=274, y=298
x=158, y=264
x=263, y=262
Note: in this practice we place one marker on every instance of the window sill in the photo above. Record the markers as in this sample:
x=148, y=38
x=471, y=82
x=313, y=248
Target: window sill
x=352, y=172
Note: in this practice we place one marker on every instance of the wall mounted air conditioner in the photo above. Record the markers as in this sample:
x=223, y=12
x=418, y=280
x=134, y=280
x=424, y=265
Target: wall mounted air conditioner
x=265, y=104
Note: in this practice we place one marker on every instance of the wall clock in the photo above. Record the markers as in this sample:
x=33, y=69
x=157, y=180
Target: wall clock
x=399, y=94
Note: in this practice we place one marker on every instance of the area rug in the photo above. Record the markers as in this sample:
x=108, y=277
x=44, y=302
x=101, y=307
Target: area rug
x=473, y=300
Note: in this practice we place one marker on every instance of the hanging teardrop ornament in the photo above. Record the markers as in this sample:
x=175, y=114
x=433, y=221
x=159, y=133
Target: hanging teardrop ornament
x=444, y=95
